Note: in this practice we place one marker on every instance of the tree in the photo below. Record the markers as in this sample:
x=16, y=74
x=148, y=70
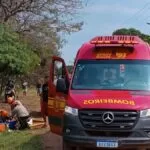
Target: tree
x=42, y=20
x=132, y=31
x=57, y=13
x=70, y=68
x=43, y=25
x=16, y=57
x=10, y=8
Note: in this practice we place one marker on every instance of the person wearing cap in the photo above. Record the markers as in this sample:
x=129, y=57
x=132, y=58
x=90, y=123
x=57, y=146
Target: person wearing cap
x=19, y=112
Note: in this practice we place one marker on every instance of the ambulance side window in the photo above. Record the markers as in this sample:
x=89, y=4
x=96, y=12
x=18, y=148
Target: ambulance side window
x=58, y=71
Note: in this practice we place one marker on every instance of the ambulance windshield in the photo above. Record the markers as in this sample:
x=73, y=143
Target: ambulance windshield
x=112, y=74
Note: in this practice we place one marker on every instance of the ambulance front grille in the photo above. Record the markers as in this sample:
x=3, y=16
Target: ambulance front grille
x=122, y=119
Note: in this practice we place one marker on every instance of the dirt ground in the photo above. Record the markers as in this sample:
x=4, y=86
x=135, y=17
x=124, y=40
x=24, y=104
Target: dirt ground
x=32, y=102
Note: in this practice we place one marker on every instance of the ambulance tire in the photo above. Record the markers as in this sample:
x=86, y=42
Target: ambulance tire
x=68, y=147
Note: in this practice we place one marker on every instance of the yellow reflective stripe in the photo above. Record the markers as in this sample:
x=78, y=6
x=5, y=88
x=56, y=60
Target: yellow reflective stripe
x=62, y=105
x=50, y=102
x=59, y=104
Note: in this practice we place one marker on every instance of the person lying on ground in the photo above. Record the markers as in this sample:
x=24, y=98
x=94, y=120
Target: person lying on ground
x=20, y=113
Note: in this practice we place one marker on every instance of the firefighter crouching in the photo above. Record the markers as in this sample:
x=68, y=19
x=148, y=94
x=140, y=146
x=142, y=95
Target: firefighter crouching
x=19, y=112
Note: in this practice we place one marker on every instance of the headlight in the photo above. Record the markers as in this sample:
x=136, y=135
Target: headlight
x=145, y=113
x=72, y=111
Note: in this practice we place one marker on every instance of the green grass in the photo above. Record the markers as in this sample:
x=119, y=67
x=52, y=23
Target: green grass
x=21, y=140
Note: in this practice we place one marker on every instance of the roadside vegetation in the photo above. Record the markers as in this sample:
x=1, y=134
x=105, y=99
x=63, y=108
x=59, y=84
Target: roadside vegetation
x=20, y=141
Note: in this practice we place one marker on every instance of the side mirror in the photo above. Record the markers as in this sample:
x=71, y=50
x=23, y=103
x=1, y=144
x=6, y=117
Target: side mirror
x=61, y=86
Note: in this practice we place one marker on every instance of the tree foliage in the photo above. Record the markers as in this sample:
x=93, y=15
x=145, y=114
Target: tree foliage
x=70, y=68
x=10, y=8
x=42, y=20
x=42, y=24
x=132, y=31
x=57, y=13
x=16, y=57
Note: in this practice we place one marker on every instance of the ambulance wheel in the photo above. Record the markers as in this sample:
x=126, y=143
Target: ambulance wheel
x=69, y=147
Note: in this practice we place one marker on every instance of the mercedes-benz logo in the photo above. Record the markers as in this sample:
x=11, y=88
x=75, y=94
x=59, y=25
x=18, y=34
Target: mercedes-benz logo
x=108, y=117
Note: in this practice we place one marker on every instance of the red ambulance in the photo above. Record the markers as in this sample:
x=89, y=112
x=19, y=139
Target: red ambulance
x=106, y=103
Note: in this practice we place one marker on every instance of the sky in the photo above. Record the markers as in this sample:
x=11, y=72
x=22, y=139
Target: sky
x=102, y=17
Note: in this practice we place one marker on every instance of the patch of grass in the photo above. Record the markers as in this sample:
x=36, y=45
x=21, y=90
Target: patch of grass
x=20, y=140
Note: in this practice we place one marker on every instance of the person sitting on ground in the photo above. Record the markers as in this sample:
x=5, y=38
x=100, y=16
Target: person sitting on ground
x=20, y=113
